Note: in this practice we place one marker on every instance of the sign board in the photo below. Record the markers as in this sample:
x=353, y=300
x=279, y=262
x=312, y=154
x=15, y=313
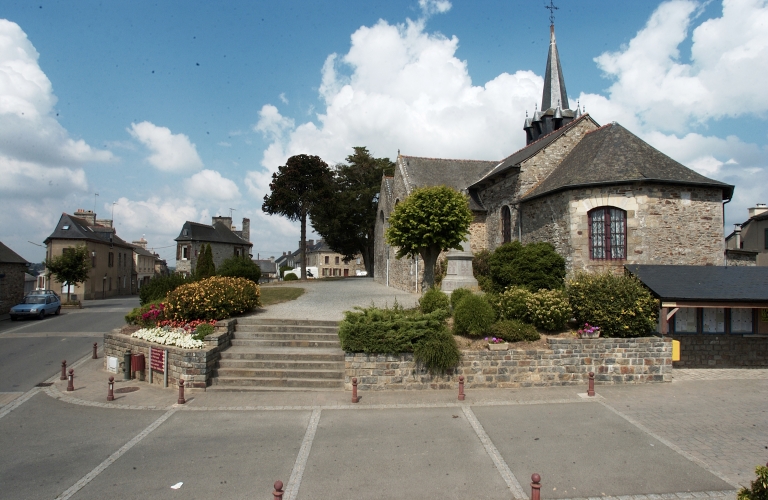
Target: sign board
x=112, y=364
x=156, y=360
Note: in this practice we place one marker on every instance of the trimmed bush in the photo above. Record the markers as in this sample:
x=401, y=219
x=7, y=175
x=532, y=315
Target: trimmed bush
x=619, y=304
x=458, y=294
x=202, y=331
x=533, y=266
x=290, y=277
x=217, y=297
x=432, y=300
x=473, y=316
x=159, y=286
x=437, y=351
x=549, y=309
x=513, y=330
x=512, y=303
x=240, y=267
x=758, y=490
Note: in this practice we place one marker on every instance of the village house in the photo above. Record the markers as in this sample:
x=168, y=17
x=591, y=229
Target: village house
x=748, y=243
x=13, y=270
x=599, y=194
x=225, y=241
x=330, y=263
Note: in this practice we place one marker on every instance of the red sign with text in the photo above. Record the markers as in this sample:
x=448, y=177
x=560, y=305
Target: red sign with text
x=156, y=360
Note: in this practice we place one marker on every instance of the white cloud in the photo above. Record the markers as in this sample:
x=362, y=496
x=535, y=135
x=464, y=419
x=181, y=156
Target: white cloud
x=211, y=185
x=23, y=178
x=271, y=123
x=430, y=7
x=283, y=99
x=224, y=144
x=170, y=152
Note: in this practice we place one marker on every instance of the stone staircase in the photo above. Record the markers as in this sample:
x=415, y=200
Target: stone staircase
x=281, y=354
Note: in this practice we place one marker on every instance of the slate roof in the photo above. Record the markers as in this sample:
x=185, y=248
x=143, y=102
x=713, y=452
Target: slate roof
x=614, y=155
x=514, y=160
x=79, y=229
x=143, y=251
x=217, y=233
x=457, y=174
x=8, y=256
x=266, y=266
x=704, y=283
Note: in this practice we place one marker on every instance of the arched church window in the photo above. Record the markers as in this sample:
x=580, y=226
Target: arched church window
x=506, y=224
x=607, y=233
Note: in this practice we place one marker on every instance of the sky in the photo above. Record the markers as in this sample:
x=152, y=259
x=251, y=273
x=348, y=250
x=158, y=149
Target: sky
x=155, y=113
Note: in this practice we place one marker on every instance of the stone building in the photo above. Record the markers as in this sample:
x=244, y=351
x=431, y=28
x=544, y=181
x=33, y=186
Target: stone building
x=748, y=243
x=601, y=195
x=330, y=263
x=224, y=239
x=13, y=268
x=111, y=257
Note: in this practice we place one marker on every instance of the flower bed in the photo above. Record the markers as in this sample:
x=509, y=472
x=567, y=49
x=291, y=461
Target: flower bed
x=169, y=336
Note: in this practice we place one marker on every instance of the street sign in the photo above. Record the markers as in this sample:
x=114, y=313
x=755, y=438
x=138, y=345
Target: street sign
x=156, y=361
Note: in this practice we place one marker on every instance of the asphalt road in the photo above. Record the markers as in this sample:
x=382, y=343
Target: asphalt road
x=31, y=350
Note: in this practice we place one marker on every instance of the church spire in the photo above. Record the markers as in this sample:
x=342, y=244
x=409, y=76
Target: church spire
x=554, y=84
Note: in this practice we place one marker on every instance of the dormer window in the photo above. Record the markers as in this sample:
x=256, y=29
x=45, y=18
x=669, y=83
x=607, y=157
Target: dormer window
x=65, y=227
x=186, y=232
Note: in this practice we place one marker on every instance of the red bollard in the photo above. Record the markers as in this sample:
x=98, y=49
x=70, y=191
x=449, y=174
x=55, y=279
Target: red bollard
x=110, y=390
x=591, y=390
x=535, y=487
x=181, y=400
x=71, y=383
x=355, y=399
x=461, y=388
x=95, y=348
x=63, y=370
x=278, y=493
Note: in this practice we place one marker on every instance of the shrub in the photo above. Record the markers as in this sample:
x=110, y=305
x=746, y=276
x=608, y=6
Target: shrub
x=240, y=267
x=437, y=351
x=147, y=315
x=758, y=490
x=619, y=304
x=459, y=294
x=205, y=268
x=285, y=268
x=290, y=277
x=513, y=330
x=549, y=309
x=473, y=316
x=159, y=286
x=432, y=300
x=217, y=297
x=203, y=330
x=533, y=266
x=512, y=303
x=482, y=271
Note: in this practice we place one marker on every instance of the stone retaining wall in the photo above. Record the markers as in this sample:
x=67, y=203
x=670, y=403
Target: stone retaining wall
x=722, y=351
x=566, y=362
x=195, y=366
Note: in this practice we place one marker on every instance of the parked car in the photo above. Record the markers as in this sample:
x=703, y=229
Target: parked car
x=37, y=304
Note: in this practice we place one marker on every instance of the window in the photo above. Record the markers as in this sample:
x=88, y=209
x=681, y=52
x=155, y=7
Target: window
x=741, y=320
x=337, y=260
x=325, y=269
x=327, y=259
x=686, y=320
x=346, y=272
x=607, y=233
x=111, y=261
x=184, y=253
x=67, y=250
x=119, y=260
x=506, y=224
x=713, y=320
x=93, y=259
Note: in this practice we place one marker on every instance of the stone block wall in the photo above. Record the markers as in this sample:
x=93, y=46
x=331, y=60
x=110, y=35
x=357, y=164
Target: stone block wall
x=11, y=285
x=195, y=366
x=565, y=362
x=722, y=351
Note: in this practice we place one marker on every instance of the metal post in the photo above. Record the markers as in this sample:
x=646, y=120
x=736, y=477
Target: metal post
x=63, y=370
x=127, y=365
x=591, y=390
x=71, y=383
x=355, y=399
x=535, y=487
x=110, y=390
x=165, y=368
x=278, y=493
x=150, y=365
x=461, y=388
x=95, y=348
x=181, y=400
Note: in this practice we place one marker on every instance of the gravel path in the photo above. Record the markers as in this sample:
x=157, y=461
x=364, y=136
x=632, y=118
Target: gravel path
x=327, y=300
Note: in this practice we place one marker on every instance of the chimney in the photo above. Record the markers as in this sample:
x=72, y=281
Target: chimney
x=246, y=229
x=737, y=235
x=311, y=243
x=140, y=243
x=284, y=254
x=271, y=258
x=227, y=221
x=87, y=215
x=757, y=210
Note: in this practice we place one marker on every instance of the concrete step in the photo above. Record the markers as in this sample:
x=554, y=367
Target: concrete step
x=328, y=337
x=259, y=373
x=282, y=364
x=331, y=330
x=254, y=382
x=251, y=320
x=283, y=354
x=265, y=388
x=284, y=343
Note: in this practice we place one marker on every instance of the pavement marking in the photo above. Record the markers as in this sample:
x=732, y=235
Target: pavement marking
x=113, y=457
x=688, y=495
x=292, y=490
x=498, y=460
x=18, y=402
x=671, y=445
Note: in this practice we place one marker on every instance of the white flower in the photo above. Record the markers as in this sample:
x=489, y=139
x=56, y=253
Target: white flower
x=169, y=336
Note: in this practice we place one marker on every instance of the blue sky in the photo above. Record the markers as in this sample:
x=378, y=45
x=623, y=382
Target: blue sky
x=181, y=110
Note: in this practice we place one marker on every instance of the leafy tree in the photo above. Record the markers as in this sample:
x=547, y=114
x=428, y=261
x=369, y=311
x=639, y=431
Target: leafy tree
x=205, y=267
x=284, y=268
x=71, y=267
x=533, y=266
x=295, y=189
x=240, y=267
x=430, y=220
x=348, y=219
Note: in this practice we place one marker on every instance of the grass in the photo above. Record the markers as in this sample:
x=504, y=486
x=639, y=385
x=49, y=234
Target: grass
x=274, y=295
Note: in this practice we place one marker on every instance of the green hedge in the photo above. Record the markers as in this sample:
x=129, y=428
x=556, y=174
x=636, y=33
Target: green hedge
x=432, y=300
x=513, y=330
x=459, y=294
x=533, y=266
x=473, y=316
x=512, y=303
x=549, y=309
x=159, y=286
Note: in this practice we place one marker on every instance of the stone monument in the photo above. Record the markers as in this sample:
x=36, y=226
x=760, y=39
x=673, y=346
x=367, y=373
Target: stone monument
x=459, y=274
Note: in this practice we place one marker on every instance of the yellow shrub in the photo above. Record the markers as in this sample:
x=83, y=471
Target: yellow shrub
x=216, y=297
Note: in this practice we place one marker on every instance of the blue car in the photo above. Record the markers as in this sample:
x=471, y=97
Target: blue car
x=37, y=305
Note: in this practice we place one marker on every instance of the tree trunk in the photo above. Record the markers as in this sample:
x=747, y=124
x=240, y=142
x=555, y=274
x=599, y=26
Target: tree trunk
x=67, y=293
x=368, y=253
x=303, y=243
x=429, y=255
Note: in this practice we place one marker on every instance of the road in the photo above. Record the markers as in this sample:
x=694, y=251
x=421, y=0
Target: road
x=31, y=350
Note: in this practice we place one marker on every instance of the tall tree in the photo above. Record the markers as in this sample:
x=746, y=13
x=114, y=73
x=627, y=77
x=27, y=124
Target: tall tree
x=430, y=220
x=348, y=220
x=205, y=267
x=295, y=189
x=71, y=267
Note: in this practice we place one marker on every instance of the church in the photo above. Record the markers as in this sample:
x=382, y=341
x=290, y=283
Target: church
x=599, y=194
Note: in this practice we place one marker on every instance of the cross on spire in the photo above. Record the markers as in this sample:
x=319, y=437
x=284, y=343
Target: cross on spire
x=551, y=7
